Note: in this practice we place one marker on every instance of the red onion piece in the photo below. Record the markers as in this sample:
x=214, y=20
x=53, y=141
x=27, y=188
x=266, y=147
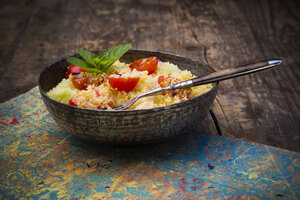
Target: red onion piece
x=160, y=62
x=174, y=93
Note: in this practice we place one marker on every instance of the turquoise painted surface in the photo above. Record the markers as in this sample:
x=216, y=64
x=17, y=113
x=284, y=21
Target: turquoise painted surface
x=41, y=161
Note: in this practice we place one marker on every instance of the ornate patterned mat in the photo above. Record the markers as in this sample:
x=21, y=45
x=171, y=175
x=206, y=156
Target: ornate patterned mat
x=41, y=161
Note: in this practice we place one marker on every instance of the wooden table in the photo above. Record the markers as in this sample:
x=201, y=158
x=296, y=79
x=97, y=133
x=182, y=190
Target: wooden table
x=262, y=107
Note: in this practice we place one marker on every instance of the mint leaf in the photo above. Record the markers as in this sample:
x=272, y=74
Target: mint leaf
x=112, y=55
x=107, y=63
x=80, y=63
x=96, y=62
x=99, y=63
x=86, y=55
x=101, y=55
x=116, y=52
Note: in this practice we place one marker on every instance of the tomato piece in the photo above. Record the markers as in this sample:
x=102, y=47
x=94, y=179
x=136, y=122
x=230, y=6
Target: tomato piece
x=161, y=81
x=97, y=93
x=164, y=81
x=74, y=69
x=145, y=64
x=71, y=102
x=123, y=84
x=81, y=83
x=110, y=103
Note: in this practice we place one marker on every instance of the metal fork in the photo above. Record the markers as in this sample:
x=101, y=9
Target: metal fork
x=210, y=78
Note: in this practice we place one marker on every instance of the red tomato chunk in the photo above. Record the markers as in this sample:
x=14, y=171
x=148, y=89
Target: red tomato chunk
x=123, y=84
x=73, y=69
x=145, y=64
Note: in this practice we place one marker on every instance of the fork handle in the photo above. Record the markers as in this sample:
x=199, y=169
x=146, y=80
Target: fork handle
x=228, y=73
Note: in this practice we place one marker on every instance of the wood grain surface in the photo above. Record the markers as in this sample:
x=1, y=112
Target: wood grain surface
x=263, y=107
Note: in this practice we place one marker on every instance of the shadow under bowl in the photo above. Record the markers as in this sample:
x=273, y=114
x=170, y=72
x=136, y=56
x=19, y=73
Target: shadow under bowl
x=129, y=126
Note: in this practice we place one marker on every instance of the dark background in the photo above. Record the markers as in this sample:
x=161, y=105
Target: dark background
x=262, y=107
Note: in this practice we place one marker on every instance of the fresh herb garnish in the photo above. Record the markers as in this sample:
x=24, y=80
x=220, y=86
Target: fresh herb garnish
x=99, y=63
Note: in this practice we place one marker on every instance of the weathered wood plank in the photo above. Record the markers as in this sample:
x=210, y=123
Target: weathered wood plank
x=262, y=107
x=14, y=21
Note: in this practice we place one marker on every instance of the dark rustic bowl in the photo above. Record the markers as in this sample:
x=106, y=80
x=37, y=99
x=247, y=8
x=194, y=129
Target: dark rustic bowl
x=129, y=126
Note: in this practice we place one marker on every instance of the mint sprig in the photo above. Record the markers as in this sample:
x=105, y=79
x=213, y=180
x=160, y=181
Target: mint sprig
x=99, y=63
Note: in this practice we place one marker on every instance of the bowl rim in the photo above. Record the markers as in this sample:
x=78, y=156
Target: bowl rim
x=138, y=111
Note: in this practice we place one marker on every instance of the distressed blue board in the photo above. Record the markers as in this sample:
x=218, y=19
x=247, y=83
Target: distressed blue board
x=41, y=161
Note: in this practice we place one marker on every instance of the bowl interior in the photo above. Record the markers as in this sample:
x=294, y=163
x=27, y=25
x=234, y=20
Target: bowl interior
x=55, y=72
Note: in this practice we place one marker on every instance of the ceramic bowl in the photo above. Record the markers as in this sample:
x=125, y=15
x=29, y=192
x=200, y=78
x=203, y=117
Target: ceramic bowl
x=129, y=126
